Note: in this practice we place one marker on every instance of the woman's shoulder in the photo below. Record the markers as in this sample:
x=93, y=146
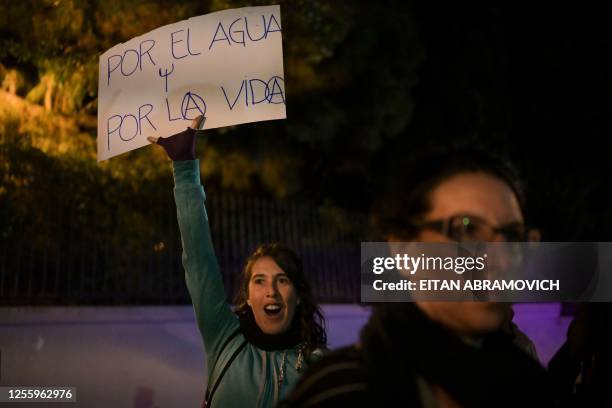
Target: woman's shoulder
x=336, y=378
x=316, y=354
x=324, y=357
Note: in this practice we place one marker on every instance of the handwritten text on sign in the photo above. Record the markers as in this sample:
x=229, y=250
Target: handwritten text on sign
x=226, y=65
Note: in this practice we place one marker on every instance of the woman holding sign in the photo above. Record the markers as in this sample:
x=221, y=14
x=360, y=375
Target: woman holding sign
x=255, y=354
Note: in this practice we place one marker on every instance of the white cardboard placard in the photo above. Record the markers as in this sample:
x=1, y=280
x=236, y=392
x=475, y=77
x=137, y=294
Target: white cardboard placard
x=226, y=65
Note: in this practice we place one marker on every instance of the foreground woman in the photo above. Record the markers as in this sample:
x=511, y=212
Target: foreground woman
x=439, y=354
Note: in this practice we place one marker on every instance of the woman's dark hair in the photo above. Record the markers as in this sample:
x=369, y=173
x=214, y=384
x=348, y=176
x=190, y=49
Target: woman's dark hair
x=408, y=200
x=310, y=319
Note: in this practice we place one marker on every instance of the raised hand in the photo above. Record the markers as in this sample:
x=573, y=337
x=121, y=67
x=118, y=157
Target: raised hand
x=181, y=146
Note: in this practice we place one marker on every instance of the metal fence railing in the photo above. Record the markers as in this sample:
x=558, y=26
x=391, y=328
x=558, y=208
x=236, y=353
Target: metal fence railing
x=79, y=261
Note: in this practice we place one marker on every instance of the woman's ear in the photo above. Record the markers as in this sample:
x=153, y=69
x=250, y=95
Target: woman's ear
x=248, y=301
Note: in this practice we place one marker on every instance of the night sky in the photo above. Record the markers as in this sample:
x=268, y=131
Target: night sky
x=532, y=83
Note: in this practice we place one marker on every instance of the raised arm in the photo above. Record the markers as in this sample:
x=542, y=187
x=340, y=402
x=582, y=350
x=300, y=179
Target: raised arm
x=215, y=319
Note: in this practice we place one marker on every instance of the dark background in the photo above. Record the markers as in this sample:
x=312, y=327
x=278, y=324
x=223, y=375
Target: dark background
x=370, y=85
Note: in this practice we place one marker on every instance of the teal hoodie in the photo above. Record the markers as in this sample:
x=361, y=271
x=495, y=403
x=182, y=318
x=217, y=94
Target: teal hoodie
x=256, y=377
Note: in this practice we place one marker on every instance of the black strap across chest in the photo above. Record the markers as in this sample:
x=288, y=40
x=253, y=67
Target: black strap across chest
x=210, y=392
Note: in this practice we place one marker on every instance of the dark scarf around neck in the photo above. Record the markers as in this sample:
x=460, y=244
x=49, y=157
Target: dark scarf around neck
x=269, y=342
x=401, y=342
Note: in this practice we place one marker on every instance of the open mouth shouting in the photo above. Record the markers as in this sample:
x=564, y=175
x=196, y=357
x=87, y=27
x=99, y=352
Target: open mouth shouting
x=273, y=309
